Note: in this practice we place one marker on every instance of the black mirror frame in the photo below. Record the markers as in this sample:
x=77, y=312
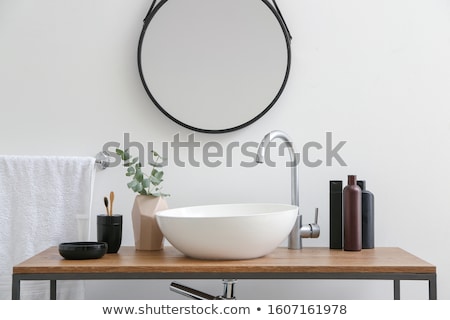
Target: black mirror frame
x=276, y=12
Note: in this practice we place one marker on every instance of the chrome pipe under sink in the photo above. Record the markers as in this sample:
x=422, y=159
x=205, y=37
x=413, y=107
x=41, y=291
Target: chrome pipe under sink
x=228, y=291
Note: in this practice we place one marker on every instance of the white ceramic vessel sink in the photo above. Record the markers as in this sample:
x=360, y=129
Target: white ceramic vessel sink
x=229, y=231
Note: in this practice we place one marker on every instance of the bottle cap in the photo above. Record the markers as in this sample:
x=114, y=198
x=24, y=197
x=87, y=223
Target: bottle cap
x=351, y=179
x=335, y=186
x=361, y=184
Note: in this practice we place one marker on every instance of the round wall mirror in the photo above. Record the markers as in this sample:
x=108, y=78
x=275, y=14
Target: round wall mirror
x=214, y=65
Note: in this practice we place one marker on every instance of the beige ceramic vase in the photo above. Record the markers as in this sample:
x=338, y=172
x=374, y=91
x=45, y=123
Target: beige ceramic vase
x=147, y=235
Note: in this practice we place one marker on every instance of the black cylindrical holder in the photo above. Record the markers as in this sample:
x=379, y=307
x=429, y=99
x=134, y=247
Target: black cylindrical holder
x=336, y=228
x=109, y=230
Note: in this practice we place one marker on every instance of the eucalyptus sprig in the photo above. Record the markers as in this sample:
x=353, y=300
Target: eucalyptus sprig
x=141, y=182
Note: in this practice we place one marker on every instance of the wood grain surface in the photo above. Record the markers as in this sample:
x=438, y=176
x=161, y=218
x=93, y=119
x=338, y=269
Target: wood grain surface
x=282, y=260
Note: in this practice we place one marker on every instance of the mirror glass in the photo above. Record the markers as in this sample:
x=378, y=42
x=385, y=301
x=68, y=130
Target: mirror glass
x=214, y=65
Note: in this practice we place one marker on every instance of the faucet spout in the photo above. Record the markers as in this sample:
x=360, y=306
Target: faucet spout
x=294, y=241
x=298, y=231
x=260, y=154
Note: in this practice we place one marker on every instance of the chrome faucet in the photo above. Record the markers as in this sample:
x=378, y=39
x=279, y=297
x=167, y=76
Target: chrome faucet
x=299, y=231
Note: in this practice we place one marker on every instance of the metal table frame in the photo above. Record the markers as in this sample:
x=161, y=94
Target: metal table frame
x=396, y=277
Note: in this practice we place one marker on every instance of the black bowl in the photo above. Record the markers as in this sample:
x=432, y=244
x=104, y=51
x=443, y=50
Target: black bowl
x=82, y=250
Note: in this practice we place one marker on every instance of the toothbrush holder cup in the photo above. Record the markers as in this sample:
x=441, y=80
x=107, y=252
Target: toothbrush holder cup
x=109, y=230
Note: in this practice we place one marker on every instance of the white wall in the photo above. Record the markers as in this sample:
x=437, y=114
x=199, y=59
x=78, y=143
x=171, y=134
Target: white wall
x=374, y=73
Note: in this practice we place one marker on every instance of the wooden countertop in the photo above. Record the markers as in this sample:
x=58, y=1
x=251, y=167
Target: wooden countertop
x=282, y=260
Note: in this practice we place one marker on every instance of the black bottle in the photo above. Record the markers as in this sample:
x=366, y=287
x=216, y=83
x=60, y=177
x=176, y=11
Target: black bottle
x=352, y=215
x=367, y=211
x=335, y=214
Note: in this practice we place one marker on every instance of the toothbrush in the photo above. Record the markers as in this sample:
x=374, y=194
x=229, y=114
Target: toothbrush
x=111, y=199
x=105, y=200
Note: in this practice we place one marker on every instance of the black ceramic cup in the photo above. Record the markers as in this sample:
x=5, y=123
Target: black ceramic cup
x=109, y=230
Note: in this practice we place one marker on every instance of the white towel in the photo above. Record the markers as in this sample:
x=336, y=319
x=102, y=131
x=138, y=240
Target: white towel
x=43, y=201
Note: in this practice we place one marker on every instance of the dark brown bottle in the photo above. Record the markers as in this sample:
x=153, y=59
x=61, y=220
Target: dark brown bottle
x=352, y=216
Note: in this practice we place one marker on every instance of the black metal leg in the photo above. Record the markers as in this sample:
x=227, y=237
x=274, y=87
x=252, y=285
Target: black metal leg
x=52, y=289
x=432, y=288
x=396, y=289
x=15, y=288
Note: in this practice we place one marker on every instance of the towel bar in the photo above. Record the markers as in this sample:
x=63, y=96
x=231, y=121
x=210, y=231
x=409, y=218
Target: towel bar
x=102, y=160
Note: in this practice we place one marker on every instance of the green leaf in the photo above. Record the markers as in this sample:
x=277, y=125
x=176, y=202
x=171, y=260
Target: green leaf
x=156, y=154
x=119, y=152
x=131, y=170
x=125, y=155
x=155, y=181
x=159, y=175
x=146, y=183
x=129, y=163
x=138, y=187
x=132, y=184
x=155, y=163
x=139, y=176
x=160, y=194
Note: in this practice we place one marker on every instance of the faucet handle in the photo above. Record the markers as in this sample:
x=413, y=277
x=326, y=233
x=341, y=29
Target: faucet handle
x=315, y=229
x=311, y=230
